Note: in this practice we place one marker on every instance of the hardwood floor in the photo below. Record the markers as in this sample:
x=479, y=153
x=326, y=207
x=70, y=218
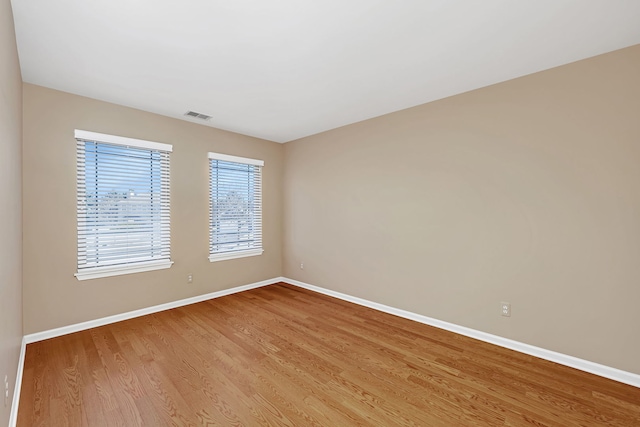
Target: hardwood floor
x=284, y=356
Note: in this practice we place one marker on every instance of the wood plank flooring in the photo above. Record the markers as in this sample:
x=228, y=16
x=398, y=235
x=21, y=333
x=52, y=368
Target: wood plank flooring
x=284, y=356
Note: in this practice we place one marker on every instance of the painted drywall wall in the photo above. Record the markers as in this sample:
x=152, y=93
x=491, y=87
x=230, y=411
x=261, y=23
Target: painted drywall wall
x=527, y=191
x=10, y=206
x=53, y=297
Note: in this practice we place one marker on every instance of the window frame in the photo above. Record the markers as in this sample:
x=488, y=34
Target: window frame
x=96, y=272
x=223, y=256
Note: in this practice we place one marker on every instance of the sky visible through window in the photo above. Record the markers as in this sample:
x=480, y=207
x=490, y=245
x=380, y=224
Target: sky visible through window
x=113, y=169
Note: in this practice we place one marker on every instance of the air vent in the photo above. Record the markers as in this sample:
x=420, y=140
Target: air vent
x=197, y=115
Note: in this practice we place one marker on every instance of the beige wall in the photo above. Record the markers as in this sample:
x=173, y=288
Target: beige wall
x=10, y=206
x=527, y=192
x=52, y=295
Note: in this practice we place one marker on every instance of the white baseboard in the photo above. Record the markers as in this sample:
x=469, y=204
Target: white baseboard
x=13, y=415
x=562, y=359
x=52, y=333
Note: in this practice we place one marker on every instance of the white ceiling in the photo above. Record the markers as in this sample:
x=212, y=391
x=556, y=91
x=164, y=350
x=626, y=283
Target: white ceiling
x=284, y=69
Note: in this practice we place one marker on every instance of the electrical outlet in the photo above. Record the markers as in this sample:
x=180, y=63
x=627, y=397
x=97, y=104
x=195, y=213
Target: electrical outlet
x=505, y=309
x=301, y=266
x=190, y=278
x=6, y=390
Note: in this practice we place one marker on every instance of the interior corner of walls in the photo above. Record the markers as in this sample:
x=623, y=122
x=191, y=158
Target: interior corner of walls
x=463, y=200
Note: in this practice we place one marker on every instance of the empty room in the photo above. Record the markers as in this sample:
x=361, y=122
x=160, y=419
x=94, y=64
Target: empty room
x=320, y=213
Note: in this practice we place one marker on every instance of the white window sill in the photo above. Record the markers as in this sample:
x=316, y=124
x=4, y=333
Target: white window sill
x=233, y=255
x=98, y=272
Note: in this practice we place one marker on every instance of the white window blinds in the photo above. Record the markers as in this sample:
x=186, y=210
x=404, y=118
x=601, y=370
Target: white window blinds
x=235, y=207
x=122, y=205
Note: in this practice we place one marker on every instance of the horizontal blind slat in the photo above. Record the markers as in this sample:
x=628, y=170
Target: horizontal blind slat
x=123, y=202
x=235, y=206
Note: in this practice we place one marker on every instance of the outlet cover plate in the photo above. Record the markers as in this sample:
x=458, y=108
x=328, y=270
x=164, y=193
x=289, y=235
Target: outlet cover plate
x=505, y=309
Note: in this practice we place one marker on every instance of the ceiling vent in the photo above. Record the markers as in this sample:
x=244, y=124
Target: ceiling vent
x=197, y=115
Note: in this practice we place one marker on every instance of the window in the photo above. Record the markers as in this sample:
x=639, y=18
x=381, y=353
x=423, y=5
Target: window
x=123, y=205
x=235, y=207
